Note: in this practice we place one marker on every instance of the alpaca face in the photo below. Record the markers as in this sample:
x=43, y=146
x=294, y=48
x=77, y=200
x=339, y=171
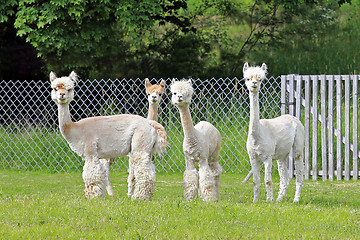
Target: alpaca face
x=154, y=92
x=182, y=92
x=254, y=76
x=62, y=88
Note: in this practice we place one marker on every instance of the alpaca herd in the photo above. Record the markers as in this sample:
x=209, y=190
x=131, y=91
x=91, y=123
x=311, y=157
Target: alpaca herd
x=99, y=140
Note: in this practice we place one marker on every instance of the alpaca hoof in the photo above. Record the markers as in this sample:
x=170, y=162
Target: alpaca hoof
x=208, y=194
x=190, y=191
x=296, y=200
x=141, y=197
x=190, y=195
x=270, y=199
x=209, y=199
x=110, y=191
x=93, y=191
x=143, y=190
x=279, y=199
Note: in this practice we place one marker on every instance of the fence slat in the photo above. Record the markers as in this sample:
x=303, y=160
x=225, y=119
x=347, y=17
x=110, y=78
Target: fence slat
x=298, y=97
x=292, y=112
x=331, y=128
x=298, y=101
x=347, y=128
x=339, y=128
x=307, y=126
x=283, y=95
x=356, y=153
x=291, y=95
x=315, y=128
x=323, y=128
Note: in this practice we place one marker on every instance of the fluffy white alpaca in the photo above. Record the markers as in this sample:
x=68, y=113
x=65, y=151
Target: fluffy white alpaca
x=201, y=146
x=272, y=139
x=98, y=139
x=154, y=93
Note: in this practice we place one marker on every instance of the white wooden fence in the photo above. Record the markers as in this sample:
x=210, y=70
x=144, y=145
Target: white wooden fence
x=330, y=116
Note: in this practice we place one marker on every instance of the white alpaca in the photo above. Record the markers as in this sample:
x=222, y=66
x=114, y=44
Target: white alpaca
x=154, y=93
x=272, y=139
x=98, y=139
x=201, y=146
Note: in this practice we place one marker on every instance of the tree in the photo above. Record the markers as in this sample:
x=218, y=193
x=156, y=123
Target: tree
x=238, y=29
x=157, y=38
x=94, y=36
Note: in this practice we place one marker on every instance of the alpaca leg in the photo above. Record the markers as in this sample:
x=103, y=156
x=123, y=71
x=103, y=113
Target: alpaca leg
x=299, y=172
x=191, y=179
x=191, y=184
x=95, y=179
x=284, y=178
x=207, y=183
x=145, y=176
x=255, y=165
x=106, y=164
x=268, y=180
x=94, y=172
x=131, y=177
x=217, y=170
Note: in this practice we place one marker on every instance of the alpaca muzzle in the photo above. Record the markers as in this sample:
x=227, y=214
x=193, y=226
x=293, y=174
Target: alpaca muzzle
x=154, y=99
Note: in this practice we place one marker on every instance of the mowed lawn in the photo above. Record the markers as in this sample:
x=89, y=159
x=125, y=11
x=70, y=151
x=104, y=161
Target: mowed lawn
x=42, y=205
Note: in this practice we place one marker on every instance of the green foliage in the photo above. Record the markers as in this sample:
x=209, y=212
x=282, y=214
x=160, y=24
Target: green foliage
x=7, y=9
x=38, y=205
x=321, y=44
x=202, y=39
x=91, y=35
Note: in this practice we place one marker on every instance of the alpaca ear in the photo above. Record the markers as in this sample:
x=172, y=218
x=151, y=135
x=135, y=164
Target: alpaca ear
x=246, y=66
x=52, y=76
x=74, y=77
x=147, y=83
x=162, y=84
x=189, y=81
x=173, y=81
x=264, y=67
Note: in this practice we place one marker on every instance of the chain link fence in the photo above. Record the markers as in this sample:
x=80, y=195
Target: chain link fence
x=30, y=138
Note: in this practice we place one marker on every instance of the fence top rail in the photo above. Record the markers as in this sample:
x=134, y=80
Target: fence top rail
x=327, y=77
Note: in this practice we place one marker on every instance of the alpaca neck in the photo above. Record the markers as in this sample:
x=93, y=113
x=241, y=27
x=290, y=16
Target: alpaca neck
x=254, y=125
x=186, y=122
x=64, y=117
x=153, y=112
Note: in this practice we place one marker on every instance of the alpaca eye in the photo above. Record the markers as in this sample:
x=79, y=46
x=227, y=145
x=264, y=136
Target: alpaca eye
x=248, y=79
x=174, y=93
x=148, y=94
x=160, y=95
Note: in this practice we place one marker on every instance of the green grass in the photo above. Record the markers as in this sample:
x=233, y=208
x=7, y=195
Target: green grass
x=36, y=148
x=41, y=205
